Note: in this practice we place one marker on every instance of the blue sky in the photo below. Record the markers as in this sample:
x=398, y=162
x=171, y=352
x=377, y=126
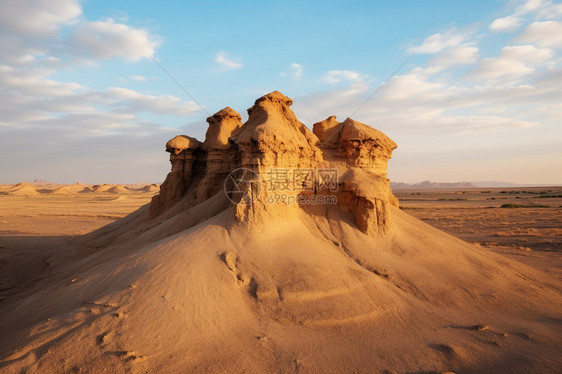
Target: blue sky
x=479, y=99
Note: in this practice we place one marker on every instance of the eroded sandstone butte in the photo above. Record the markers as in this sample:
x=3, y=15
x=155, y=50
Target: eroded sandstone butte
x=273, y=142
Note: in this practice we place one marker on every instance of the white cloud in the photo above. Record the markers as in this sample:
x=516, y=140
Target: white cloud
x=107, y=39
x=33, y=82
x=30, y=95
x=513, y=62
x=228, y=64
x=138, y=78
x=336, y=76
x=297, y=70
x=509, y=23
x=462, y=55
x=541, y=9
x=37, y=18
x=125, y=100
x=551, y=12
x=440, y=41
x=55, y=33
x=411, y=86
x=545, y=34
x=417, y=104
x=531, y=6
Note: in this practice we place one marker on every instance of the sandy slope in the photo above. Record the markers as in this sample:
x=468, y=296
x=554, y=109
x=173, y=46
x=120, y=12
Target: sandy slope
x=309, y=293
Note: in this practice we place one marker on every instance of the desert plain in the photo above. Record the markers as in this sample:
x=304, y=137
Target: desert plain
x=36, y=218
x=524, y=223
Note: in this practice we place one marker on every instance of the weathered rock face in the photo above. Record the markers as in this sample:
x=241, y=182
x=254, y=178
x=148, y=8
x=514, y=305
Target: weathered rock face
x=327, y=130
x=358, y=144
x=221, y=126
x=184, y=154
x=274, y=137
x=274, y=142
x=181, y=143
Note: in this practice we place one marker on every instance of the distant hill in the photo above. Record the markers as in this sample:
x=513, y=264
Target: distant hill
x=430, y=185
x=40, y=183
x=491, y=184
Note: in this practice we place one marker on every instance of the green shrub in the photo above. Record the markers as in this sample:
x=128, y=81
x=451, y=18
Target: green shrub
x=512, y=205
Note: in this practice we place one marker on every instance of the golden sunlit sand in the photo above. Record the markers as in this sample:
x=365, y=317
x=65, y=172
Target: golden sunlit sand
x=524, y=223
x=222, y=273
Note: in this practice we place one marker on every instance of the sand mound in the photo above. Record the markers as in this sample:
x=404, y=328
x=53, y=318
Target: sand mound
x=118, y=189
x=21, y=189
x=150, y=188
x=5, y=187
x=102, y=188
x=86, y=189
x=197, y=283
x=21, y=185
x=80, y=188
x=63, y=190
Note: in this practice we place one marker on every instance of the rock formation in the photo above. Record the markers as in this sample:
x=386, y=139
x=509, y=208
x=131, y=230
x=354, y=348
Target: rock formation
x=221, y=126
x=274, y=144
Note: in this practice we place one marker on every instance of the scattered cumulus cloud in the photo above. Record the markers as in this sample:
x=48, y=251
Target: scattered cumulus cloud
x=463, y=55
x=413, y=103
x=513, y=62
x=226, y=62
x=440, y=41
x=131, y=101
x=509, y=23
x=33, y=82
x=336, y=76
x=297, y=70
x=530, y=6
x=30, y=95
x=107, y=39
x=545, y=34
x=539, y=9
x=138, y=78
x=37, y=18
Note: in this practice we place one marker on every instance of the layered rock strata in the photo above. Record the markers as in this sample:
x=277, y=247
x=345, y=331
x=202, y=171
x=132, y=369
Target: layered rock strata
x=346, y=161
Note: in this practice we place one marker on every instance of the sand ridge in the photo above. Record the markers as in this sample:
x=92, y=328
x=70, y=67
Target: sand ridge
x=46, y=188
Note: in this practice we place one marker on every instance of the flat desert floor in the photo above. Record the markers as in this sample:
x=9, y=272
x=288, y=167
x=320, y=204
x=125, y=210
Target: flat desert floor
x=523, y=223
x=32, y=225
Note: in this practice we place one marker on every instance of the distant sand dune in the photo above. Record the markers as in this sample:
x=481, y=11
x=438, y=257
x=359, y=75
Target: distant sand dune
x=119, y=189
x=28, y=189
x=64, y=190
x=150, y=188
x=22, y=189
